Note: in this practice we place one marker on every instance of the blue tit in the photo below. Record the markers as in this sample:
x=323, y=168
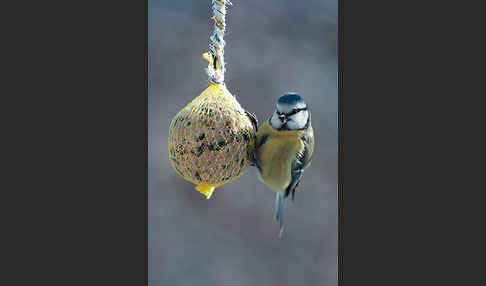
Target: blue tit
x=284, y=147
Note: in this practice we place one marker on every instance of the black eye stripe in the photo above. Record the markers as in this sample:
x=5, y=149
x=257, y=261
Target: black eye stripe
x=294, y=111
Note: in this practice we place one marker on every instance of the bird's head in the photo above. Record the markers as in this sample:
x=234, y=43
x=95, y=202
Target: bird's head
x=291, y=113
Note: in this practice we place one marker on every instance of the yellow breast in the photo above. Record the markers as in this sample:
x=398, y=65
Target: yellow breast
x=276, y=156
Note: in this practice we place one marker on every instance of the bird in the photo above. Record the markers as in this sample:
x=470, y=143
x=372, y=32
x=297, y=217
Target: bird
x=283, y=150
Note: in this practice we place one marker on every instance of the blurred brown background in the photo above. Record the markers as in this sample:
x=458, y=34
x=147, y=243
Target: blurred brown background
x=271, y=47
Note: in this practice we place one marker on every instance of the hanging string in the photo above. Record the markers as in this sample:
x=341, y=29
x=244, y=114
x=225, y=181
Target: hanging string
x=215, y=56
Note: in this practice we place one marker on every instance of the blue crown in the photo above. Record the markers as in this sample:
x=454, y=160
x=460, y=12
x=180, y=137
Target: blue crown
x=290, y=99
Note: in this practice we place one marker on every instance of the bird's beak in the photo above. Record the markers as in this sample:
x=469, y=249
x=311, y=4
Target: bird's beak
x=283, y=118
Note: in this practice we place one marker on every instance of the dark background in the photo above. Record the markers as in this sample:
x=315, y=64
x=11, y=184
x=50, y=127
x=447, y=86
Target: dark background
x=75, y=151
x=271, y=47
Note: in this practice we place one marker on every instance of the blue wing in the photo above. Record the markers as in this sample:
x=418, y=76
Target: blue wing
x=302, y=161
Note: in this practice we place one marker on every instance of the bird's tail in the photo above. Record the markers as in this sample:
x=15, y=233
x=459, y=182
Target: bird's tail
x=280, y=203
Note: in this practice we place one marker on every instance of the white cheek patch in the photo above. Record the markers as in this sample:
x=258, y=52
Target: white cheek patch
x=298, y=120
x=274, y=121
